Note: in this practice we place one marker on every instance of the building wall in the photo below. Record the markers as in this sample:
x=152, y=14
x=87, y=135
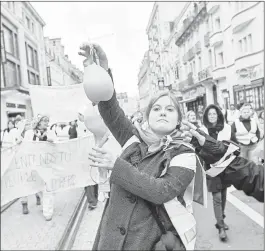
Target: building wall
x=24, y=48
x=61, y=70
x=215, y=68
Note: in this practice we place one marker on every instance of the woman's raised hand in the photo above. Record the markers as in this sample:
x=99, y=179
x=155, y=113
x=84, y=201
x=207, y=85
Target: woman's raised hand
x=102, y=158
x=86, y=52
x=189, y=131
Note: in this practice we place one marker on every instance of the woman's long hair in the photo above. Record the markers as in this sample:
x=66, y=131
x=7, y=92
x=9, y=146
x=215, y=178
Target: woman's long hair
x=220, y=118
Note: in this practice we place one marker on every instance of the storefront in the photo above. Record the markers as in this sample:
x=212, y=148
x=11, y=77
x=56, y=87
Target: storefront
x=193, y=98
x=13, y=103
x=253, y=92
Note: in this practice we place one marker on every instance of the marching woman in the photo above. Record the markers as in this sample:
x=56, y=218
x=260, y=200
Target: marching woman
x=7, y=138
x=153, y=171
x=40, y=132
x=215, y=126
x=191, y=117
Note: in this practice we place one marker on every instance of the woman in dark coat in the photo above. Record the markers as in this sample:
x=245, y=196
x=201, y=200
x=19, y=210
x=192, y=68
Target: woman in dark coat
x=152, y=170
x=215, y=126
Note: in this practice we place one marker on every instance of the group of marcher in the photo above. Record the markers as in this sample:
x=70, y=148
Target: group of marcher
x=159, y=162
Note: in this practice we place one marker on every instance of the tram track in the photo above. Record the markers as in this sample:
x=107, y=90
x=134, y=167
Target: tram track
x=8, y=205
x=68, y=237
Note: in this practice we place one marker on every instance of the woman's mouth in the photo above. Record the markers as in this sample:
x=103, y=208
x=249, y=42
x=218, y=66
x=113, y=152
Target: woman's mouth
x=162, y=120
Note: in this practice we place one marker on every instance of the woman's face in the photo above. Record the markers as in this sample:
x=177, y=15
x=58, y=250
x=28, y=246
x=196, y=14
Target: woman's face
x=163, y=117
x=10, y=125
x=192, y=117
x=44, y=123
x=212, y=116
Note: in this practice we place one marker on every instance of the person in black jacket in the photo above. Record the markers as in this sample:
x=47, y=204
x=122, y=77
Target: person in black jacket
x=243, y=174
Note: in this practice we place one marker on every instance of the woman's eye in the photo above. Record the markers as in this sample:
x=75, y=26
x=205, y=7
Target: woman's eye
x=170, y=109
x=156, y=109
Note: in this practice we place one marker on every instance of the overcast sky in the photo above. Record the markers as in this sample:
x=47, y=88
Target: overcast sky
x=121, y=27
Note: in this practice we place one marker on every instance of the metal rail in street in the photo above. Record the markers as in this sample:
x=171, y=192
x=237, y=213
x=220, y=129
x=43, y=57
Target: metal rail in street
x=68, y=237
x=9, y=204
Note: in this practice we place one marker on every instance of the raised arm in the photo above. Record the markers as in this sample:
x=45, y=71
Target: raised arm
x=115, y=119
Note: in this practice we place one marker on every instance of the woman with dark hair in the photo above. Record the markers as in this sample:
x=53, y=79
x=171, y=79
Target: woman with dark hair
x=215, y=126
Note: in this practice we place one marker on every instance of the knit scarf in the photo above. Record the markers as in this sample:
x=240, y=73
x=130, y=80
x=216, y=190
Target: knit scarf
x=156, y=143
x=42, y=135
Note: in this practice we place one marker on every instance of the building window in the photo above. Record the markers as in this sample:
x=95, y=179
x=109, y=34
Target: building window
x=12, y=74
x=11, y=42
x=32, y=57
x=245, y=45
x=32, y=28
x=33, y=78
x=200, y=64
x=220, y=58
x=210, y=58
x=217, y=24
x=255, y=96
x=11, y=6
x=28, y=23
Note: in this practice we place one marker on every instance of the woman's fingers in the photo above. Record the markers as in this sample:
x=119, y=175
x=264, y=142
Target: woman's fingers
x=99, y=150
x=95, y=159
x=201, y=139
x=82, y=53
x=189, y=125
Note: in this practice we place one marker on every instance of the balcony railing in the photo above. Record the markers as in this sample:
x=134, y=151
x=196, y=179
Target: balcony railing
x=205, y=74
x=191, y=54
x=199, y=10
x=207, y=39
x=198, y=47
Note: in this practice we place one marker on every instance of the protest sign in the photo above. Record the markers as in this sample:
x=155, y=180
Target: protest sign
x=31, y=165
x=61, y=103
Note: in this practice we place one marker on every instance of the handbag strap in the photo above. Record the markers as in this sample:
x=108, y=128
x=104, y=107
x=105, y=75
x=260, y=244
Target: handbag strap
x=152, y=208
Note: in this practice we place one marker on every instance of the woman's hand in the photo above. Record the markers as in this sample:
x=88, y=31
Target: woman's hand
x=102, y=158
x=189, y=131
x=86, y=52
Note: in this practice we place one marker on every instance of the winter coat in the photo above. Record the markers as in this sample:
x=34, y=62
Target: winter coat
x=127, y=222
x=8, y=137
x=243, y=174
x=221, y=131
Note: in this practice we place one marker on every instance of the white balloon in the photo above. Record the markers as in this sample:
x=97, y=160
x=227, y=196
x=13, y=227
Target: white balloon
x=97, y=83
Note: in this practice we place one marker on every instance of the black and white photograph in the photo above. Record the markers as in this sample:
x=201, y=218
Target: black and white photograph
x=132, y=125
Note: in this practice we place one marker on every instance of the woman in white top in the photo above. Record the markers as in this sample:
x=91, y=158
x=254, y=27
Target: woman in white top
x=7, y=138
x=40, y=132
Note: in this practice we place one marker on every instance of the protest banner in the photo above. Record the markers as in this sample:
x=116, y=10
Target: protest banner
x=61, y=103
x=30, y=165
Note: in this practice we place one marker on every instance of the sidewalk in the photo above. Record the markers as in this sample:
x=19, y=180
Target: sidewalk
x=88, y=228
x=32, y=232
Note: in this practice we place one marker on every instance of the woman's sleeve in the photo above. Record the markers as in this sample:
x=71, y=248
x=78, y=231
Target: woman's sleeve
x=247, y=176
x=156, y=190
x=115, y=119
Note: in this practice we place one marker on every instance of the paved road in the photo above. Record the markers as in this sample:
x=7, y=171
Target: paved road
x=244, y=233
x=32, y=232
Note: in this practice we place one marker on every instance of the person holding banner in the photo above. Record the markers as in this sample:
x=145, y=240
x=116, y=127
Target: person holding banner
x=7, y=138
x=40, y=132
x=242, y=173
x=153, y=179
x=214, y=125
